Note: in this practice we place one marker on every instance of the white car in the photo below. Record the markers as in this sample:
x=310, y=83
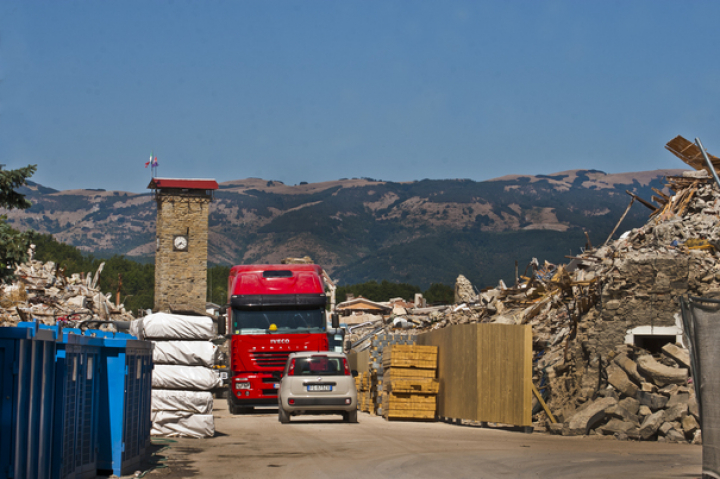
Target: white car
x=317, y=383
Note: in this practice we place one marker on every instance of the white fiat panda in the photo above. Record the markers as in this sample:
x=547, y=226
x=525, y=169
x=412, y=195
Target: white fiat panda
x=317, y=383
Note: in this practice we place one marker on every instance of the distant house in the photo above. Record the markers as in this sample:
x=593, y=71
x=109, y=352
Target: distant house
x=362, y=305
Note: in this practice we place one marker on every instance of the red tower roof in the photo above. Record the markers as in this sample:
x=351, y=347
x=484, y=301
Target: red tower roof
x=183, y=183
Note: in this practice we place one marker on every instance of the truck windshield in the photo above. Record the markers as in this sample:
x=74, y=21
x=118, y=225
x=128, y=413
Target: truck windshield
x=286, y=321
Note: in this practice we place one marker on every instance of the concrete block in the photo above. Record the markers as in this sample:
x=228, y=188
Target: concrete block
x=677, y=412
x=690, y=425
x=651, y=400
x=680, y=398
x=675, y=436
x=630, y=404
x=651, y=424
x=664, y=428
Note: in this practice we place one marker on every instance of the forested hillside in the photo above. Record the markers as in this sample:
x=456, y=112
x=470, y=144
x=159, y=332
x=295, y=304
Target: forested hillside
x=361, y=230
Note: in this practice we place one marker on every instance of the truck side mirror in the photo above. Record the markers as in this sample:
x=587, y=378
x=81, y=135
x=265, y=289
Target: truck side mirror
x=335, y=318
x=222, y=325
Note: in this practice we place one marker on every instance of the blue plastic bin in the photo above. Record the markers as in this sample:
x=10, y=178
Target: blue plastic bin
x=77, y=405
x=27, y=381
x=125, y=395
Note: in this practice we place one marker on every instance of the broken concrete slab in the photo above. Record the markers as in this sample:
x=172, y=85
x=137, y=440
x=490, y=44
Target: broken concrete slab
x=620, y=412
x=629, y=366
x=681, y=355
x=660, y=374
x=587, y=418
x=616, y=426
x=620, y=380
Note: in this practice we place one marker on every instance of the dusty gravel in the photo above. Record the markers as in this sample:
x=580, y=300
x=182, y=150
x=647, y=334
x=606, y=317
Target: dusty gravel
x=325, y=447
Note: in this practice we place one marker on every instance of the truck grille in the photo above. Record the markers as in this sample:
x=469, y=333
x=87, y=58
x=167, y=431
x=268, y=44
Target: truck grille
x=270, y=359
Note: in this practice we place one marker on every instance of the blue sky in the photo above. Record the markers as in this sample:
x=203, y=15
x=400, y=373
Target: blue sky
x=321, y=90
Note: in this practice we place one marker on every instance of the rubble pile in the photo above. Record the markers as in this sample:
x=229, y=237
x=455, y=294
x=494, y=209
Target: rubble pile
x=593, y=319
x=42, y=291
x=643, y=397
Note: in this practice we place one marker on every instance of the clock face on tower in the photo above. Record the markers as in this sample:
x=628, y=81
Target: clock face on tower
x=180, y=243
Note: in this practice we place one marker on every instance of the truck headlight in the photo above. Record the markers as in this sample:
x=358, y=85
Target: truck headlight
x=242, y=385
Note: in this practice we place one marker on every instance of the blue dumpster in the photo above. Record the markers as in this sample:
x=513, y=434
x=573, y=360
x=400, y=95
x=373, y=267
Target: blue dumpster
x=125, y=395
x=27, y=381
x=77, y=405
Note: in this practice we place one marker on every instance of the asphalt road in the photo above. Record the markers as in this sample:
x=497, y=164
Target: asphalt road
x=325, y=447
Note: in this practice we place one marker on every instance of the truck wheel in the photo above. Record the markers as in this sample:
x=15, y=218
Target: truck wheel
x=283, y=416
x=350, y=416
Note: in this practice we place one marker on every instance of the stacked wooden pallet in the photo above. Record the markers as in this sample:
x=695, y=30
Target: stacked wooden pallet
x=410, y=388
x=365, y=392
x=380, y=342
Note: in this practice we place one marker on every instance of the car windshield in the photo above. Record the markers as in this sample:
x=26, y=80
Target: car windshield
x=321, y=365
x=285, y=321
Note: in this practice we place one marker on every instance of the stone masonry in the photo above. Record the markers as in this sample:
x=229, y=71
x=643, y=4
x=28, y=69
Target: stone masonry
x=181, y=276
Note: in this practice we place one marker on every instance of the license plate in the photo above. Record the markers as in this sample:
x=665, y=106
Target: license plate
x=319, y=387
x=276, y=385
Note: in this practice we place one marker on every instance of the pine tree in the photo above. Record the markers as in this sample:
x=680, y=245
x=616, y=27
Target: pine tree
x=13, y=243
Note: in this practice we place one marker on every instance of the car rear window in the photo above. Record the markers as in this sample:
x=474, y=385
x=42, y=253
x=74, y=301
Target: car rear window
x=327, y=366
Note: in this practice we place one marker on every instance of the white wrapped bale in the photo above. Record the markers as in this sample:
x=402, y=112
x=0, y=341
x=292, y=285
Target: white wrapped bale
x=185, y=353
x=185, y=378
x=173, y=326
x=182, y=423
x=194, y=402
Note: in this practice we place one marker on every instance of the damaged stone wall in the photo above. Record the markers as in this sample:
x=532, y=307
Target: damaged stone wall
x=584, y=313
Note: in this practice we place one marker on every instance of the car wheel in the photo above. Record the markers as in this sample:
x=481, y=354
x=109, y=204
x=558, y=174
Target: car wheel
x=350, y=416
x=283, y=416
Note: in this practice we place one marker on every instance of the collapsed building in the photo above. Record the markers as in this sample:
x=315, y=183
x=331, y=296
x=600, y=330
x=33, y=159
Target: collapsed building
x=609, y=353
x=42, y=291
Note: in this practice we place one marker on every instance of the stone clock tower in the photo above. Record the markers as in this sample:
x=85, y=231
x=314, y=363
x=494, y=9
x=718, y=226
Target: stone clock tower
x=182, y=236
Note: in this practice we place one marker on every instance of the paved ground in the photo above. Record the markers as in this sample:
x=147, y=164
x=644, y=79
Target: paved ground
x=324, y=447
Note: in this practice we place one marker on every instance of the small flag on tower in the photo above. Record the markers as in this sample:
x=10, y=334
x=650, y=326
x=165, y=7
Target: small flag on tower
x=147, y=163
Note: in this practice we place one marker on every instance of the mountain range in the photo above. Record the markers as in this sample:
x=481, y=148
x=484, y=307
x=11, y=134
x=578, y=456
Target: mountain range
x=361, y=229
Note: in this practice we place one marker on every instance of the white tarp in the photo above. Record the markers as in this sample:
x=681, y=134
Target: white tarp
x=182, y=423
x=195, y=402
x=185, y=353
x=172, y=326
x=185, y=378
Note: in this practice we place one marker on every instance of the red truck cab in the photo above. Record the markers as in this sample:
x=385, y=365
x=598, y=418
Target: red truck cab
x=274, y=310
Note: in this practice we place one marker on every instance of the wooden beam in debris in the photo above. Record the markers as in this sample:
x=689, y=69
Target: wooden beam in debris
x=663, y=195
x=632, y=200
x=689, y=153
x=644, y=202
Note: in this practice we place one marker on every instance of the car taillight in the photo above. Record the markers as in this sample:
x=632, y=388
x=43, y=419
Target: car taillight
x=347, y=368
x=291, y=370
